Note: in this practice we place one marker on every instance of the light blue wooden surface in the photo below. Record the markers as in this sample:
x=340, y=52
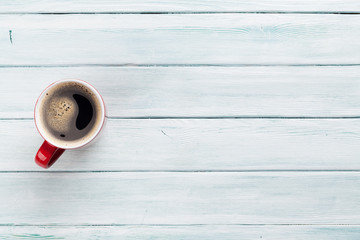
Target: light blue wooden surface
x=226, y=119
x=163, y=39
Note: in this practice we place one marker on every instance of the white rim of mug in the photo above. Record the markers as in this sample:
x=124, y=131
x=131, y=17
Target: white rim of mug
x=98, y=96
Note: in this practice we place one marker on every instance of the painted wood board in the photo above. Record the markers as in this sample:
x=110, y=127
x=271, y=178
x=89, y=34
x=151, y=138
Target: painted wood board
x=15, y=6
x=141, y=92
x=179, y=198
x=179, y=39
x=196, y=145
x=228, y=232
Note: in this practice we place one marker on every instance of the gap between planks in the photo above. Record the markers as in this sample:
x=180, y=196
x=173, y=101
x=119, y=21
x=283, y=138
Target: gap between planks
x=180, y=12
x=207, y=232
x=210, y=117
x=177, y=65
x=186, y=171
x=174, y=225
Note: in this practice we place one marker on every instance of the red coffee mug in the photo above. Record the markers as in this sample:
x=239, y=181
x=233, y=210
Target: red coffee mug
x=68, y=114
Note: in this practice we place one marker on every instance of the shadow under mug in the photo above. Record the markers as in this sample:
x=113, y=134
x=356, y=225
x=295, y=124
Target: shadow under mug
x=68, y=114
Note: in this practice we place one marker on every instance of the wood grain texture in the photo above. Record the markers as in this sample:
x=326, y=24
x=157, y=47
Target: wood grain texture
x=186, y=178
x=179, y=39
x=182, y=232
x=193, y=145
x=11, y=6
x=179, y=198
x=196, y=91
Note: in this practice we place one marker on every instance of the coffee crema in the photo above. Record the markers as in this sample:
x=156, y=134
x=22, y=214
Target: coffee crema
x=69, y=114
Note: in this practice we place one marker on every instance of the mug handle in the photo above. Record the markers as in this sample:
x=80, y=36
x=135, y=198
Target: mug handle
x=47, y=155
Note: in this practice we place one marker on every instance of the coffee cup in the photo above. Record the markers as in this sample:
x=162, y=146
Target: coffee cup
x=68, y=114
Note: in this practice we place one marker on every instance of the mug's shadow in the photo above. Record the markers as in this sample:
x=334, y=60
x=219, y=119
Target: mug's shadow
x=84, y=158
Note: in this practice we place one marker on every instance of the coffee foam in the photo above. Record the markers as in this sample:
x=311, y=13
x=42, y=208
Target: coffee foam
x=61, y=113
x=59, y=110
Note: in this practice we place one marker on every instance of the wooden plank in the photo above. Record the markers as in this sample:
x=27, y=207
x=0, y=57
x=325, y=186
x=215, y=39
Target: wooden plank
x=193, y=145
x=180, y=198
x=11, y=6
x=196, y=91
x=201, y=232
x=179, y=39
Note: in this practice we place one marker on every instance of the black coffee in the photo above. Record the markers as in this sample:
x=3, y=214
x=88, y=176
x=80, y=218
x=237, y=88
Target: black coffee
x=85, y=113
x=70, y=113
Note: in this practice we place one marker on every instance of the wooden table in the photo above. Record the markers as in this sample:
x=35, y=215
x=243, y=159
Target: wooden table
x=226, y=119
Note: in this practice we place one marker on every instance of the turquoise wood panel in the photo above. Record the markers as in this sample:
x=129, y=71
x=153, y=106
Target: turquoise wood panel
x=206, y=165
